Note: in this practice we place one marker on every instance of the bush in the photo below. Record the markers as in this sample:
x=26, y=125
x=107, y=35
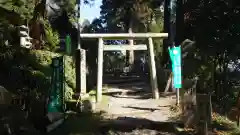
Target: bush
x=42, y=60
x=26, y=69
x=52, y=37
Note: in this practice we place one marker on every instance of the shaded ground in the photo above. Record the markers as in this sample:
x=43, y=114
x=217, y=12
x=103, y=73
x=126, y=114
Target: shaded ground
x=99, y=126
x=12, y=120
x=134, y=100
x=131, y=111
x=95, y=124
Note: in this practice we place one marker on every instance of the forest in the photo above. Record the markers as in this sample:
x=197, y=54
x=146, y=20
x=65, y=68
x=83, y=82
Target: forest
x=213, y=25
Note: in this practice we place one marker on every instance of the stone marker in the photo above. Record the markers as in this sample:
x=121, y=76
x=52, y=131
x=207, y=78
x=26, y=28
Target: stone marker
x=5, y=96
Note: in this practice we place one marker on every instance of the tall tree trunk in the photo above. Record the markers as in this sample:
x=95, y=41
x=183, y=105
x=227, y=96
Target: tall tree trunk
x=36, y=29
x=179, y=22
x=225, y=82
x=131, y=43
x=165, y=55
x=214, y=75
x=36, y=33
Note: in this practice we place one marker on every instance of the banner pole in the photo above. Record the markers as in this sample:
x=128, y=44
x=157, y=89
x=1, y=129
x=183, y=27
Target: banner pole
x=178, y=97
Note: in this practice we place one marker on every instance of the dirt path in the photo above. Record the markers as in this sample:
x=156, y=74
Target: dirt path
x=130, y=111
x=134, y=100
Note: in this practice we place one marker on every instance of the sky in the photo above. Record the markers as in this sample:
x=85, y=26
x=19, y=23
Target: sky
x=90, y=12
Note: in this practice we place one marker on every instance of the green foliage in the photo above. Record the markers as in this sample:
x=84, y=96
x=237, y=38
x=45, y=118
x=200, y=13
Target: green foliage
x=224, y=125
x=52, y=37
x=22, y=7
x=120, y=13
x=113, y=61
x=43, y=61
x=216, y=47
x=69, y=6
x=31, y=70
x=221, y=33
x=156, y=26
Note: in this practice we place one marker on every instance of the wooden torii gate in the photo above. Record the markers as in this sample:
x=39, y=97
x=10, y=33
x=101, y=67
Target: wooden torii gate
x=130, y=36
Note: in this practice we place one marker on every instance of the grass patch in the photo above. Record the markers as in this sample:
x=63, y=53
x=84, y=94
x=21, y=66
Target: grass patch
x=221, y=125
x=224, y=126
